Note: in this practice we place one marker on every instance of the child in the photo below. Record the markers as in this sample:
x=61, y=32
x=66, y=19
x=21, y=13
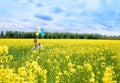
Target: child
x=40, y=46
x=35, y=43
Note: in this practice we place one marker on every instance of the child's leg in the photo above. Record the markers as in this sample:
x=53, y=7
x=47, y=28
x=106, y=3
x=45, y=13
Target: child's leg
x=35, y=47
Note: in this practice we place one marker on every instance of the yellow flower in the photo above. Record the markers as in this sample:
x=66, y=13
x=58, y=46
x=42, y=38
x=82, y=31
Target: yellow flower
x=10, y=57
x=88, y=66
x=5, y=49
x=22, y=71
x=31, y=77
x=103, y=64
x=71, y=70
x=44, y=71
x=49, y=61
x=66, y=73
x=92, y=80
x=57, y=77
x=79, y=67
x=67, y=57
x=59, y=74
x=70, y=65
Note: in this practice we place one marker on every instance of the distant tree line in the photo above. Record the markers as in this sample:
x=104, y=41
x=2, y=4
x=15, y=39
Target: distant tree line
x=55, y=35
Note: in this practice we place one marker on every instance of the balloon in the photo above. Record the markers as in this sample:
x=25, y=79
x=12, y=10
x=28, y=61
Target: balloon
x=42, y=35
x=37, y=34
x=42, y=29
x=39, y=31
x=42, y=32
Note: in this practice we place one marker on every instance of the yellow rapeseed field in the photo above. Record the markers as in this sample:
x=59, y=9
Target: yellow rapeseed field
x=61, y=61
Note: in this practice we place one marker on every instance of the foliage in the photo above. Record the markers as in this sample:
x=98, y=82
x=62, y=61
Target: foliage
x=55, y=35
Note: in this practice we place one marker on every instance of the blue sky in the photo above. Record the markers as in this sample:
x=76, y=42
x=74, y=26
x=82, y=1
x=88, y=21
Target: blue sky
x=81, y=16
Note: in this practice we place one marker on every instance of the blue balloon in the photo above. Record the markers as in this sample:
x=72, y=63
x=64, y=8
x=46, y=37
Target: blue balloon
x=42, y=29
x=42, y=32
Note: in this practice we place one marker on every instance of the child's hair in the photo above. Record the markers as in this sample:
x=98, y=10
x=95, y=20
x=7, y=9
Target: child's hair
x=35, y=39
x=39, y=43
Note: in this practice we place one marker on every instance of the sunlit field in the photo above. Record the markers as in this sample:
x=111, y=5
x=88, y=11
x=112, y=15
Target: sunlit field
x=61, y=61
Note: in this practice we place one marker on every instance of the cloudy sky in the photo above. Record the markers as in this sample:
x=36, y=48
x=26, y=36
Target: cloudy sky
x=81, y=16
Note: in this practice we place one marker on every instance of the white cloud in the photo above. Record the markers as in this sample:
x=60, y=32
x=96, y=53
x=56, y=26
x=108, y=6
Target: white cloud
x=16, y=26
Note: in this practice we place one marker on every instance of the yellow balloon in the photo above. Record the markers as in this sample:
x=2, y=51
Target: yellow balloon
x=39, y=31
x=37, y=34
